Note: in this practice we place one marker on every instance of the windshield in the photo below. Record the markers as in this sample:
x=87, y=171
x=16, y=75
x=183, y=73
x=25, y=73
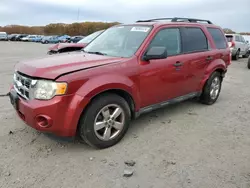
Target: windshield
x=90, y=37
x=119, y=41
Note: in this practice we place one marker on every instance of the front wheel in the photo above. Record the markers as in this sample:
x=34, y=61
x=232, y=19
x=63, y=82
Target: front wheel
x=246, y=55
x=212, y=88
x=105, y=121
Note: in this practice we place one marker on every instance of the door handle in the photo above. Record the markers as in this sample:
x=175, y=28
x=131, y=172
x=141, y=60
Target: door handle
x=178, y=64
x=209, y=58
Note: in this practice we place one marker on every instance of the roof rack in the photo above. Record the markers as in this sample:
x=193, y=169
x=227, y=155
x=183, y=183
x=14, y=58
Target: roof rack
x=176, y=19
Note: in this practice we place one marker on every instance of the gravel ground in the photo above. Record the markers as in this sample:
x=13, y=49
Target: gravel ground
x=186, y=145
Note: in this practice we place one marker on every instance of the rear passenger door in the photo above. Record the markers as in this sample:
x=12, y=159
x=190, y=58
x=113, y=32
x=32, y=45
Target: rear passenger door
x=196, y=56
x=220, y=44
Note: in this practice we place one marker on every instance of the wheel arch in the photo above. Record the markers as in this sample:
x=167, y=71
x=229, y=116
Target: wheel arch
x=120, y=92
x=216, y=66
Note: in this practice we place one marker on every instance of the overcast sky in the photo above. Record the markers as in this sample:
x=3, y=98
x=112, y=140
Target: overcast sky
x=226, y=13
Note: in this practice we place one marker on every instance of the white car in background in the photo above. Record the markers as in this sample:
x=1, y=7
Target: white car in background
x=238, y=46
x=3, y=36
x=247, y=38
x=29, y=38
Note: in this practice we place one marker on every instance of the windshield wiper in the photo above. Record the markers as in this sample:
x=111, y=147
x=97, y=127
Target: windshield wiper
x=97, y=53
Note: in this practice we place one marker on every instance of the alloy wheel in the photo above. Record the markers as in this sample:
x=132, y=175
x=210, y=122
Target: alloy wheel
x=109, y=122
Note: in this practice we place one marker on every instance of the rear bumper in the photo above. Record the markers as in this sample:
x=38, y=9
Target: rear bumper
x=58, y=116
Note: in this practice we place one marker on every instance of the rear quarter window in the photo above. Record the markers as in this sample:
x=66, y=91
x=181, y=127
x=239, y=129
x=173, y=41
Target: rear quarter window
x=193, y=40
x=218, y=38
x=229, y=38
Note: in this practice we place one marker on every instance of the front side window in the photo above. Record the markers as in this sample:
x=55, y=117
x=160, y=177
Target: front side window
x=242, y=39
x=194, y=40
x=218, y=38
x=169, y=38
x=119, y=41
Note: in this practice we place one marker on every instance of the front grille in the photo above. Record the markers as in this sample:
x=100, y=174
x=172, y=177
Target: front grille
x=22, y=85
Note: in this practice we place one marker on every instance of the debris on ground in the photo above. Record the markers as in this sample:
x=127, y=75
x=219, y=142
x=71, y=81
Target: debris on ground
x=91, y=158
x=171, y=162
x=128, y=172
x=11, y=132
x=104, y=161
x=135, y=136
x=169, y=121
x=49, y=150
x=7, y=174
x=130, y=163
x=112, y=164
x=192, y=114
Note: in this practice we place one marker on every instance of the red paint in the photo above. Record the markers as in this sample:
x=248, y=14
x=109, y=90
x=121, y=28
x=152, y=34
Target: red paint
x=146, y=82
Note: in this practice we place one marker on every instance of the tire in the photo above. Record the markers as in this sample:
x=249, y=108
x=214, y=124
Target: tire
x=248, y=63
x=246, y=55
x=236, y=56
x=88, y=133
x=206, y=96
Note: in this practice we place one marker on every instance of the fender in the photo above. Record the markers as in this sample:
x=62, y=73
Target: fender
x=217, y=64
x=102, y=83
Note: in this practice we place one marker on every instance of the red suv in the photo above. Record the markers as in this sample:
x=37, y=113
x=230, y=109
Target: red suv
x=128, y=70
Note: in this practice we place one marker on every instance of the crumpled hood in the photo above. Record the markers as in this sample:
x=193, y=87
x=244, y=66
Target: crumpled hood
x=65, y=45
x=51, y=67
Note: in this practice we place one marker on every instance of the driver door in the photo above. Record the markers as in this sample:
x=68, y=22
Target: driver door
x=164, y=79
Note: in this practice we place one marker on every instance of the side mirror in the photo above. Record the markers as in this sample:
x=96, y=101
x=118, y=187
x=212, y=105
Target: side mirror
x=155, y=52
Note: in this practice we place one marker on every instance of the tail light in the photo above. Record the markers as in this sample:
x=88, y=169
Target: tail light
x=232, y=44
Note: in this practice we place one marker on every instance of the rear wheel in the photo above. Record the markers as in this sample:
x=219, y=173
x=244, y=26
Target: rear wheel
x=212, y=88
x=105, y=121
x=236, y=56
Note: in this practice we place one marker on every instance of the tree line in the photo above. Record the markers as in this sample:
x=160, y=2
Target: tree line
x=230, y=31
x=84, y=28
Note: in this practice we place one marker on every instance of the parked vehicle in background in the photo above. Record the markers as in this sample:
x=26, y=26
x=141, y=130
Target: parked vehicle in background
x=238, y=46
x=50, y=39
x=12, y=37
x=20, y=36
x=247, y=38
x=64, y=38
x=3, y=36
x=37, y=38
x=76, y=39
x=28, y=38
x=126, y=71
x=62, y=48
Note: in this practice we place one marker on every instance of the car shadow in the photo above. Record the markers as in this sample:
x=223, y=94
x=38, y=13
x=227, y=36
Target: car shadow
x=154, y=117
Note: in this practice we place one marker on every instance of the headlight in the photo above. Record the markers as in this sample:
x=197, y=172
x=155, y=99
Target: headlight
x=45, y=90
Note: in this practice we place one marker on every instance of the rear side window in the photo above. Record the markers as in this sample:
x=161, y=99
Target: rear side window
x=194, y=40
x=218, y=38
x=237, y=38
